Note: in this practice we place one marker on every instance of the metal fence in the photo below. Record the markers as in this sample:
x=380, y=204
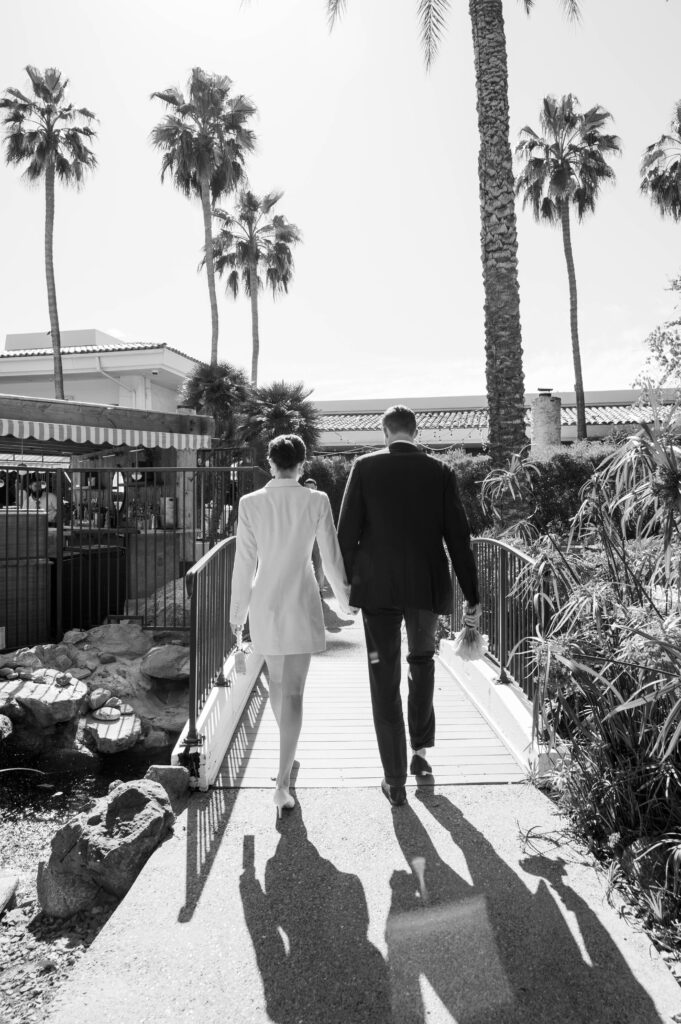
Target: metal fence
x=79, y=547
x=509, y=608
x=209, y=586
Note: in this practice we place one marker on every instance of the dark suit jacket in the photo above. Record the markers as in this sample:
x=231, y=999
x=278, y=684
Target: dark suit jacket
x=399, y=506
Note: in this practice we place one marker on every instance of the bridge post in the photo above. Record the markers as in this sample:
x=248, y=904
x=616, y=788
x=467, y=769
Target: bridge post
x=502, y=620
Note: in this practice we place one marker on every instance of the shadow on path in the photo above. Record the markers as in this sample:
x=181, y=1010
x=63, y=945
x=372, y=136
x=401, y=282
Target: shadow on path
x=308, y=925
x=494, y=951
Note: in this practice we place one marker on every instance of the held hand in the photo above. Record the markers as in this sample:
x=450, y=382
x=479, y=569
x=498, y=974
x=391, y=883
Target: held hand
x=236, y=630
x=471, y=614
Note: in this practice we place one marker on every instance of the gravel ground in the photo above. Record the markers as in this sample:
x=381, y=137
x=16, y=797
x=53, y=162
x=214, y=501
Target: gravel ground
x=37, y=952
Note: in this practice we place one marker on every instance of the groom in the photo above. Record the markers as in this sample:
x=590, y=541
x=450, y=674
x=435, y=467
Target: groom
x=399, y=506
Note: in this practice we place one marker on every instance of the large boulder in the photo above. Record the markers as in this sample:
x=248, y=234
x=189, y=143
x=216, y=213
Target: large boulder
x=175, y=780
x=111, y=737
x=160, y=705
x=6, y=727
x=170, y=662
x=126, y=639
x=168, y=607
x=104, y=850
x=47, y=702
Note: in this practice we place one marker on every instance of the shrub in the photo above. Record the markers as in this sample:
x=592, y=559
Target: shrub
x=330, y=472
x=470, y=471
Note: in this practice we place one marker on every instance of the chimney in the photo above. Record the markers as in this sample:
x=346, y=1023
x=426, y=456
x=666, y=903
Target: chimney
x=545, y=422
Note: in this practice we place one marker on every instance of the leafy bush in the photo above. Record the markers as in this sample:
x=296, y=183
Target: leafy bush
x=470, y=471
x=330, y=472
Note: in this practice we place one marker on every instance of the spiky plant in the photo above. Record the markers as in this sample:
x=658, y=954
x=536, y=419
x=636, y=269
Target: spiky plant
x=661, y=170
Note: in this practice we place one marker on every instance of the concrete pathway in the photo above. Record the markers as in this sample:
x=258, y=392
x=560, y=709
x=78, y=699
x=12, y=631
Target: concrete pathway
x=351, y=912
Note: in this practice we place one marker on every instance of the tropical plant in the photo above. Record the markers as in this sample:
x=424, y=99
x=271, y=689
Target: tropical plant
x=204, y=140
x=52, y=138
x=564, y=165
x=499, y=243
x=221, y=391
x=250, y=241
x=280, y=408
x=663, y=364
x=661, y=170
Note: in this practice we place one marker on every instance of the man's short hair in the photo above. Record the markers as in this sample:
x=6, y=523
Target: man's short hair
x=399, y=419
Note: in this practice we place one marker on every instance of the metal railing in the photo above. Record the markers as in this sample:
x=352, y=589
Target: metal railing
x=509, y=609
x=209, y=585
x=98, y=543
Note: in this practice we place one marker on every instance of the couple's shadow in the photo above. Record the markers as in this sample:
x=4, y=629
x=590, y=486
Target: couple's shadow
x=490, y=949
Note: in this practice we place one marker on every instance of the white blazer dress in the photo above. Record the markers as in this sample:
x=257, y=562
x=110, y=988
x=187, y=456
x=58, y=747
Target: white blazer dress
x=273, y=580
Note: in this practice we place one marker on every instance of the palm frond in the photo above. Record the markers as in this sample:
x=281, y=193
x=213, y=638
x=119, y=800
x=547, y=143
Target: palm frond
x=432, y=15
x=335, y=9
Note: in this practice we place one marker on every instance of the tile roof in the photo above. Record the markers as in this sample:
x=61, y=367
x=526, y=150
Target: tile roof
x=476, y=419
x=81, y=349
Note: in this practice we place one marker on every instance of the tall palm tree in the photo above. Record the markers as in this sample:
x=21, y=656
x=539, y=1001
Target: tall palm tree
x=52, y=138
x=204, y=140
x=251, y=240
x=280, y=408
x=503, y=342
x=220, y=390
x=661, y=170
x=564, y=165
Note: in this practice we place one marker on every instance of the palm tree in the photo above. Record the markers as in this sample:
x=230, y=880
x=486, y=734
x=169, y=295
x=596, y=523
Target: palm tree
x=52, y=138
x=220, y=390
x=661, y=170
x=503, y=342
x=280, y=408
x=565, y=165
x=249, y=240
x=204, y=140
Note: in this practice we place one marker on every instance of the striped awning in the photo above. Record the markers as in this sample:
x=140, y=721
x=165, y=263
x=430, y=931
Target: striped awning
x=92, y=435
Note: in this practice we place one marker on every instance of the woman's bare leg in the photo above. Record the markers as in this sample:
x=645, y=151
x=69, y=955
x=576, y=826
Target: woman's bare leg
x=293, y=678
x=275, y=672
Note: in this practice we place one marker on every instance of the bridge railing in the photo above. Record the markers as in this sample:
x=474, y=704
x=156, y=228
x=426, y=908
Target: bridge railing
x=509, y=608
x=209, y=586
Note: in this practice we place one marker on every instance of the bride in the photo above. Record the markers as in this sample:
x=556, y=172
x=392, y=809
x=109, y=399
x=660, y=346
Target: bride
x=273, y=582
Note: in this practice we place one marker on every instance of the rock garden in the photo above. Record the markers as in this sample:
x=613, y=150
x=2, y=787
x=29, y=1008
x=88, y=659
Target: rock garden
x=80, y=722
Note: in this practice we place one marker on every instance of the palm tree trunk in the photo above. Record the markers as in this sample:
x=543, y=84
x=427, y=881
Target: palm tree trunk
x=503, y=342
x=574, y=329
x=210, y=267
x=51, y=288
x=253, y=281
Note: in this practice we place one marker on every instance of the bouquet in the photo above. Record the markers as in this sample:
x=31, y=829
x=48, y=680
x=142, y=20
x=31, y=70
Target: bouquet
x=469, y=643
x=240, y=654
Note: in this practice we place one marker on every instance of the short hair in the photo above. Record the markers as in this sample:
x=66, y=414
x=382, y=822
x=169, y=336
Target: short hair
x=286, y=451
x=399, y=419
x=310, y=480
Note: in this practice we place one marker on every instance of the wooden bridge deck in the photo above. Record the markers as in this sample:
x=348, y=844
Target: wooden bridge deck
x=337, y=746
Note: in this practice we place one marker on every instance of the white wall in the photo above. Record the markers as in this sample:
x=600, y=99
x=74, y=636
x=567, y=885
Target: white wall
x=96, y=388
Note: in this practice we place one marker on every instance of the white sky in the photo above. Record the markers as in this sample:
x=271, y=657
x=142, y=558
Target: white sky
x=378, y=161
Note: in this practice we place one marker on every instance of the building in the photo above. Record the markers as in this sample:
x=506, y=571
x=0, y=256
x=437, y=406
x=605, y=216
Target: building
x=352, y=425
x=98, y=368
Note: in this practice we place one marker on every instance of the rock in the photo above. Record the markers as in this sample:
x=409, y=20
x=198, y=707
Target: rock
x=47, y=702
x=75, y=636
x=8, y=887
x=173, y=778
x=104, y=849
x=125, y=709
x=106, y=658
x=168, y=662
x=25, y=673
x=121, y=638
x=114, y=702
x=80, y=673
x=169, y=606
x=7, y=673
x=63, y=679
x=160, y=705
x=26, y=657
x=111, y=736
x=99, y=697
x=83, y=658
x=11, y=709
x=6, y=728
x=107, y=713
x=115, y=784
